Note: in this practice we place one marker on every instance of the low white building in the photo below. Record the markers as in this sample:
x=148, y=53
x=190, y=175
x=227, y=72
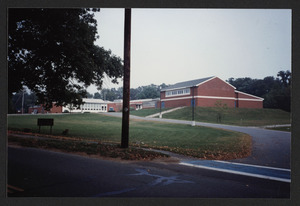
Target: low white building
x=99, y=105
x=90, y=105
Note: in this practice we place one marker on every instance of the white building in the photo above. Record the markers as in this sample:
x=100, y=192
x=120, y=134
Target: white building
x=98, y=105
x=90, y=105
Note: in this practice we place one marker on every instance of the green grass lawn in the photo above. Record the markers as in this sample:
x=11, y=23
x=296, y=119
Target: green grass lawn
x=233, y=116
x=195, y=141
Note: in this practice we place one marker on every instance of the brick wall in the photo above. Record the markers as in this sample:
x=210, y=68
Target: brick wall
x=40, y=109
x=56, y=109
x=203, y=102
x=178, y=103
x=215, y=87
x=116, y=106
x=250, y=104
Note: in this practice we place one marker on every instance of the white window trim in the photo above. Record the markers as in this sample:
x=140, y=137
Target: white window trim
x=174, y=95
x=214, y=78
x=245, y=99
x=212, y=97
x=248, y=95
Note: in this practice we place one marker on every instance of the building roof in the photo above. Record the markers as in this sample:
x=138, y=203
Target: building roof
x=143, y=100
x=251, y=95
x=187, y=84
x=88, y=100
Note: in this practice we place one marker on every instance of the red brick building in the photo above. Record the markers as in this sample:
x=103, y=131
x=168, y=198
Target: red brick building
x=206, y=92
x=39, y=109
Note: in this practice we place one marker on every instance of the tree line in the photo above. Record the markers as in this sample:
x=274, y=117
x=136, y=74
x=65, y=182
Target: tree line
x=143, y=92
x=151, y=91
x=276, y=92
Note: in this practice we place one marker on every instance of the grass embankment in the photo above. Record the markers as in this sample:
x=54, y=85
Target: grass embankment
x=147, y=112
x=233, y=116
x=200, y=142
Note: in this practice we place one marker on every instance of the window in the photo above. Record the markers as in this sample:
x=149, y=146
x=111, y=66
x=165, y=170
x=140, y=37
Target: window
x=178, y=92
x=187, y=91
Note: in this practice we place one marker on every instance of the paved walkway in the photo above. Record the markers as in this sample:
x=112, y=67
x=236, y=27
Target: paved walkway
x=263, y=172
x=269, y=147
x=270, y=158
x=164, y=112
x=277, y=125
x=250, y=170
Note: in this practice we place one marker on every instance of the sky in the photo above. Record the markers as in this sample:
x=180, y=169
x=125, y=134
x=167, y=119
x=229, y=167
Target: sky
x=175, y=45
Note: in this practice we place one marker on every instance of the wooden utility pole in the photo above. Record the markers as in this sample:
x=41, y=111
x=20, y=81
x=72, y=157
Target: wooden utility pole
x=126, y=80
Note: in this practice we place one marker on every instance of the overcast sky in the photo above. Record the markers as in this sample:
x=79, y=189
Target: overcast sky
x=174, y=45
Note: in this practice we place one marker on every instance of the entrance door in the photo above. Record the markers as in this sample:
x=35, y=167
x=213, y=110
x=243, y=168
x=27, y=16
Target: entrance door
x=162, y=104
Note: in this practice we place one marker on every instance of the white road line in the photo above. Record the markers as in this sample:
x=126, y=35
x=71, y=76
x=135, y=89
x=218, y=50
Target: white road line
x=237, y=172
x=259, y=166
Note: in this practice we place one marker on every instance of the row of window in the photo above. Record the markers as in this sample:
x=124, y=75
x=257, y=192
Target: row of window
x=178, y=92
x=92, y=106
x=97, y=109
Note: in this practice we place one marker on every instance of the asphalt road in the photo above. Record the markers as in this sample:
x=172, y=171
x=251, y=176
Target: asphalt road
x=40, y=173
x=269, y=147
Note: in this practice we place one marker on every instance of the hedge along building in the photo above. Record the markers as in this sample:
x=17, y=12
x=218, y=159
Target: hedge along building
x=206, y=92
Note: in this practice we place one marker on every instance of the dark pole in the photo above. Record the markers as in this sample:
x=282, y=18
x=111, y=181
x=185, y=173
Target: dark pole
x=160, y=101
x=193, y=107
x=126, y=81
x=23, y=90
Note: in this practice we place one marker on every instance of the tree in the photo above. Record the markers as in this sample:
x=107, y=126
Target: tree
x=52, y=52
x=28, y=99
x=243, y=84
x=221, y=109
x=284, y=94
x=143, y=92
x=285, y=78
x=275, y=91
x=109, y=94
x=97, y=95
x=133, y=93
x=150, y=91
x=146, y=92
x=88, y=95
